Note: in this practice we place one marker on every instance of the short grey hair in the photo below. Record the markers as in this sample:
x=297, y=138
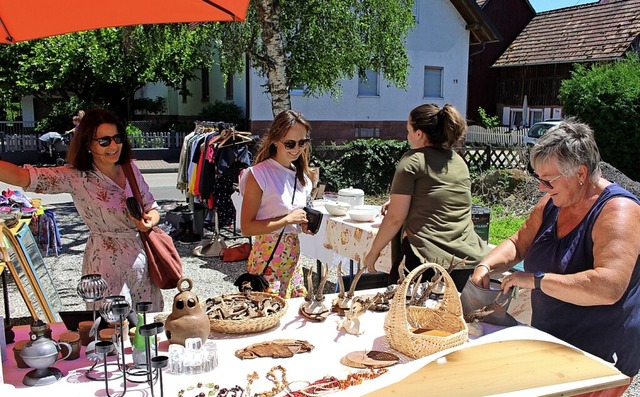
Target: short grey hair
x=571, y=144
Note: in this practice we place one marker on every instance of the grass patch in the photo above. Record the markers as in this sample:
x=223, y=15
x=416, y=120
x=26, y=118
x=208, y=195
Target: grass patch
x=503, y=226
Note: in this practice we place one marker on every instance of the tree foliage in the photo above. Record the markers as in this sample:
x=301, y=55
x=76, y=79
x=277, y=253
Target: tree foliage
x=313, y=44
x=607, y=97
x=105, y=67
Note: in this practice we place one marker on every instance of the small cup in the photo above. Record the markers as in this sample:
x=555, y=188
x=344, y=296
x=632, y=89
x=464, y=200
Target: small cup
x=17, y=348
x=73, y=339
x=192, y=363
x=84, y=327
x=210, y=357
x=176, y=358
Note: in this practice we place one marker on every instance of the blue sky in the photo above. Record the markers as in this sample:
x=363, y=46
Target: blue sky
x=546, y=5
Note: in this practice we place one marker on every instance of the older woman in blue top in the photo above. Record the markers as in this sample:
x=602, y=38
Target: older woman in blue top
x=580, y=247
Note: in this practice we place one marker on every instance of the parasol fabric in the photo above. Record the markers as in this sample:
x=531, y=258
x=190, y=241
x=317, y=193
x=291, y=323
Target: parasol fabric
x=32, y=19
x=50, y=136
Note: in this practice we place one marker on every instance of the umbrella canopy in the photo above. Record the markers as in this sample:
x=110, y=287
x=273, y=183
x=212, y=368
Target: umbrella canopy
x=50, y=136
x=32, y=19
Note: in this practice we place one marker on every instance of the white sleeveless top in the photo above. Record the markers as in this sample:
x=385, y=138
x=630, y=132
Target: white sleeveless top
x=276, y=183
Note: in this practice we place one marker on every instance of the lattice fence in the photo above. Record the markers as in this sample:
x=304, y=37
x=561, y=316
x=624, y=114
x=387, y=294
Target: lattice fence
x=478, y=158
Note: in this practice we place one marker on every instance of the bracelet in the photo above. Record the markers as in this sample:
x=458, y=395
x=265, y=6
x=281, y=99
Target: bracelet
x=483, y=265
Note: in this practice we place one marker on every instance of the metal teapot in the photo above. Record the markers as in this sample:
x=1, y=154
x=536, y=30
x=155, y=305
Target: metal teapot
x=40, y=353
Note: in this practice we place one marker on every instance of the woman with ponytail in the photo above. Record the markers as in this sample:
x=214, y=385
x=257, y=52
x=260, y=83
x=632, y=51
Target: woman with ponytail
x=428, y=216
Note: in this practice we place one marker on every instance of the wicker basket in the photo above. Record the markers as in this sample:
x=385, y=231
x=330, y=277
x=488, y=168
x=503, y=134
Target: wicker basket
x=250, y=325
x=446, y=316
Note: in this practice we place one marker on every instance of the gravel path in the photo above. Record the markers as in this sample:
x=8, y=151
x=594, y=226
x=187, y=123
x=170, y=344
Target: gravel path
x=210, y=276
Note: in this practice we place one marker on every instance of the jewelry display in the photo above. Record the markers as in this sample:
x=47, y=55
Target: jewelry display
x=278, y=376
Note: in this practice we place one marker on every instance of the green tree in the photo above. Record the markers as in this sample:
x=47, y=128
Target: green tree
x=105, y=67
x=313, y=44
x=607, y=97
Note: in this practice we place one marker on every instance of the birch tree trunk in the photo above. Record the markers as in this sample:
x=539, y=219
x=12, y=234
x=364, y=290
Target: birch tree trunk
x=277, y=84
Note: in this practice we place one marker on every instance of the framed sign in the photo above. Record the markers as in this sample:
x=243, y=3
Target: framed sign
x=24, y=260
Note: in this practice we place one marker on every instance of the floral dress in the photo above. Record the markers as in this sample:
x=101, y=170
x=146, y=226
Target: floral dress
x=114, y=248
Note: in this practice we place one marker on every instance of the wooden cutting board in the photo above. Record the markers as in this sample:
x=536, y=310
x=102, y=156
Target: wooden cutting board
x=503, y=367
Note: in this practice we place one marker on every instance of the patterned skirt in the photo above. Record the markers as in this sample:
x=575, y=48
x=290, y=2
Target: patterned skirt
x=284, y=272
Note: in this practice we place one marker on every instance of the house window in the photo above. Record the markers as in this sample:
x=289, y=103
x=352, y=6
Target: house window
x=229, y=87
x=204, y=81
x=515, y=119
x=367, y=132
x=433, y=82
x=368, y=86
x=535, y=116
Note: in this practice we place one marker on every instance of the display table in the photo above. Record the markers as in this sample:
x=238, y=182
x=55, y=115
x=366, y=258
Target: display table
x=510, y=364
x=354, y=239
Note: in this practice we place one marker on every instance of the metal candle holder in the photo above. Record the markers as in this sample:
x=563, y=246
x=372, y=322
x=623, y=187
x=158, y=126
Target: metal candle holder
x=104, y=348
x=133, y=371
x=91, y=288
x=158, y=362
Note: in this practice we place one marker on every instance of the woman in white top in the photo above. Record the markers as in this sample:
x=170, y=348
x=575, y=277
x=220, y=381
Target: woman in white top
x=269, y=204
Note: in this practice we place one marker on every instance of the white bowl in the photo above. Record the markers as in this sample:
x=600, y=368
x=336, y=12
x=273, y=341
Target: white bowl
x=337, y=208
x=376, y=208
x=364, y=215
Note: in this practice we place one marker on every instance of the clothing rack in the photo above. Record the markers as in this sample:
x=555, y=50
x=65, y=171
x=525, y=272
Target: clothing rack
x=211, y=159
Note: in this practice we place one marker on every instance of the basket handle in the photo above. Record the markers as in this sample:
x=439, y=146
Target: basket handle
x=450, y=301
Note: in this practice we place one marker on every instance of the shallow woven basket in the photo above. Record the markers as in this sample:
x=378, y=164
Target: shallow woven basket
x=250, y=325
x=446, y=316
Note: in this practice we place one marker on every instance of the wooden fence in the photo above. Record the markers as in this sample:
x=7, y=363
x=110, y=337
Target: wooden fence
x=497, y=136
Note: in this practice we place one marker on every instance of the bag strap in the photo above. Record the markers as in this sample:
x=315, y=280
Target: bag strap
x=128, y=172
x=295, y=186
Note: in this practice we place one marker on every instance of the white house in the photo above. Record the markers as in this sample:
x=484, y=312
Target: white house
x=438, y=49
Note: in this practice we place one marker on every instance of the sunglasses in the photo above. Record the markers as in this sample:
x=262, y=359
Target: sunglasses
x=290, y=144
x=546, y=183
x=106, y=140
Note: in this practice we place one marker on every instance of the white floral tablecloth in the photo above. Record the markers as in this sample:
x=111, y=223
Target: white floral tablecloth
x=353, y=240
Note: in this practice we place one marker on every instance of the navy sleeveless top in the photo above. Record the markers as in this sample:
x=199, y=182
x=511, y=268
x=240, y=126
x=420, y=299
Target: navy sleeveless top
x=611, y=332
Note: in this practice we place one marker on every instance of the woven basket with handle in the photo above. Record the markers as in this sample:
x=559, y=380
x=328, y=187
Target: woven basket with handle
x=445, y=316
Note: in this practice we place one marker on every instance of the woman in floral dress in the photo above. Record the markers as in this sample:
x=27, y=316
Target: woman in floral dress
x=281, y=168
x=97, y=183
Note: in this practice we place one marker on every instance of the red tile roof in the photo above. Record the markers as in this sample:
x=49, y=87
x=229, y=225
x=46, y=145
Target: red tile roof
x=591, y=32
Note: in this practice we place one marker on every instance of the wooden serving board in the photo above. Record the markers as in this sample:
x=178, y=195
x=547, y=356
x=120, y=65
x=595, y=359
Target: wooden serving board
x=504, y=367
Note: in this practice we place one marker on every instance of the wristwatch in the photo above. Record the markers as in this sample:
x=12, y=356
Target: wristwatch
x=537, y=279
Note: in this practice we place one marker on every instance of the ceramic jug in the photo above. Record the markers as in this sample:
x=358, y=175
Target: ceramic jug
x=187, y=319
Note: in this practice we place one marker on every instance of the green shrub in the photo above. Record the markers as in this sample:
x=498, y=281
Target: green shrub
x=607, y=97
x=367, y=164
x=135, y=136
x=227, y=112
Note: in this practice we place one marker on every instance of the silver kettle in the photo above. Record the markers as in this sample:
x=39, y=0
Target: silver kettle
x=40, y=353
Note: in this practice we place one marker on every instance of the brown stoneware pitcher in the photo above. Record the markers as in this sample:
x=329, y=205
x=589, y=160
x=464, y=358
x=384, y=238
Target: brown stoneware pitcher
x=187, y=319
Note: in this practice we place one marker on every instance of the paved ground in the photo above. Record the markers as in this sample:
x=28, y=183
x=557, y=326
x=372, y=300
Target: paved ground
x=156, y=166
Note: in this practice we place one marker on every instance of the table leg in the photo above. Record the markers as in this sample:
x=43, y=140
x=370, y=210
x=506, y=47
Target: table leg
x=8, y=331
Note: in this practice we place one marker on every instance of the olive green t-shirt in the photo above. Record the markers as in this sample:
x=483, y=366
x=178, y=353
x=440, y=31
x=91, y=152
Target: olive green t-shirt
x=438, y=224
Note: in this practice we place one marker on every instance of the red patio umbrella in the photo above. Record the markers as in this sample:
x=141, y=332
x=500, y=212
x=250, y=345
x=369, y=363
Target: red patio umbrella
x=22, y=20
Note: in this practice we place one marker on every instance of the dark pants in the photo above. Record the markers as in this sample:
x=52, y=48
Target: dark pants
x=411, y=261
